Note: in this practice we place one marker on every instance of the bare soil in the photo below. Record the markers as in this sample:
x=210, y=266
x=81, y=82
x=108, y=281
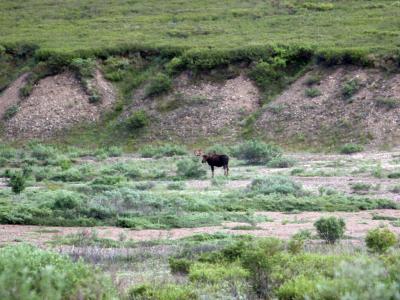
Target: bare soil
x=55, y=104
x=198, y=109
x=295, y=117
x=10, y=96
x=282, y=225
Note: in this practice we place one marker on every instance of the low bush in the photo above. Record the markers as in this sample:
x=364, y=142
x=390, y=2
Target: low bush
x=350, y=148
x=394, y=175
x=168, y=292
x=312, y=92
x=28, y=273
x=361, y=187
x=190, y=168
x=360, y=278
x=275, y=184
x=350, y=88
x=84, y=68
x=17, y=182
x=313, y=79
x=380, y=240
x=213, y=273
x=10, y=112
x=137, y=120
x=256, y=152
x=179, y=265
x=330, y=229
x=281, y=162
x=160, y=84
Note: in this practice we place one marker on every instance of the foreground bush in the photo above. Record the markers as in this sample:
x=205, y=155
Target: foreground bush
x=28, y=273
x=380, y=240
x=330, y=229
x=256, y=152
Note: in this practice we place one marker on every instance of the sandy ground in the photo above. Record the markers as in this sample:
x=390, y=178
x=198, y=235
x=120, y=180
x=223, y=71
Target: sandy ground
x=281, y=225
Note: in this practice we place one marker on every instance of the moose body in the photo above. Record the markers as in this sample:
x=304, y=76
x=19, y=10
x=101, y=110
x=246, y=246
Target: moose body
x=217, y=160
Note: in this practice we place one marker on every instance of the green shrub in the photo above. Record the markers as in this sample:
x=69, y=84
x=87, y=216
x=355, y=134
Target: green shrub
x=256, y=152
x=295, y=246
x=394, y=175
x=361, y=187
x=350, y=88
x=351, y=148
x=214, y=273
x=219, y=149
x=175, y=65
x=83, y=67
x=330, y=229
x=17, y=182
x=313, y=79
x=160, y=84
x=28, y=273
x=137, y=120
x=360, y=278
x=275, y=184
x=281, y=162
x=168, y=292
x=66, y=200
x=179, y=265
x=380, y=239
x=190, y=168
x=42, y=152
x=11, y=112
x=312, y=92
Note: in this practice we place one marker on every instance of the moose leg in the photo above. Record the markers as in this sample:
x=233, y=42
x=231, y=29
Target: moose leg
x=212, y=171
x=227, y=170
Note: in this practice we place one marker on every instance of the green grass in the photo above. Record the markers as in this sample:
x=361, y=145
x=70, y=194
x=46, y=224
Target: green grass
x=72, y=25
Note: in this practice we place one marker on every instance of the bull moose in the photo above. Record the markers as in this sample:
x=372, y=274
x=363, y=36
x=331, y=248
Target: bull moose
x=214, y=160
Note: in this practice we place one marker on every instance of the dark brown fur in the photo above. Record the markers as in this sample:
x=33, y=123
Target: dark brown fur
x=217, y=160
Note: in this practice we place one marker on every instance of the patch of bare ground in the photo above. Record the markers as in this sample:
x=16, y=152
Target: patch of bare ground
x=199, y=109
x=58, y=103
x=281, y=225
x=330, y=117
x=10, y=96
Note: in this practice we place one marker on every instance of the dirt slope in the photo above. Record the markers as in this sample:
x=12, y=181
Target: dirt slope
x=197, y=110
x=330, y=117
x=10, y=96
x=55, y=104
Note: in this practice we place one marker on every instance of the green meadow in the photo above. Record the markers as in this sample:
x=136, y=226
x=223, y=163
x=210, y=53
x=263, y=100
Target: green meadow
x=75, y=25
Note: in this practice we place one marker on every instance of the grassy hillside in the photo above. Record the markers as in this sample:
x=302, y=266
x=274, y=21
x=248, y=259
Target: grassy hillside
x=71, y=25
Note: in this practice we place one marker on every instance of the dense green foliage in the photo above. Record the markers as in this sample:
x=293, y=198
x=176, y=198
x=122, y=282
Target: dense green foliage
x=330, y=229
x=380, y=239
x=27, y=273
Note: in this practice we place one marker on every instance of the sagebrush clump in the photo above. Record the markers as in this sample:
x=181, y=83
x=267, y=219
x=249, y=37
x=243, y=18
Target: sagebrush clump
x=380, y=240
x=256, y=152
x=330, y=229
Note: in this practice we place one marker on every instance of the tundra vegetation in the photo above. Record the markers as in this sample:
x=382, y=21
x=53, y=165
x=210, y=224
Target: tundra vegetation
x=103, y=175
x=156, y=189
